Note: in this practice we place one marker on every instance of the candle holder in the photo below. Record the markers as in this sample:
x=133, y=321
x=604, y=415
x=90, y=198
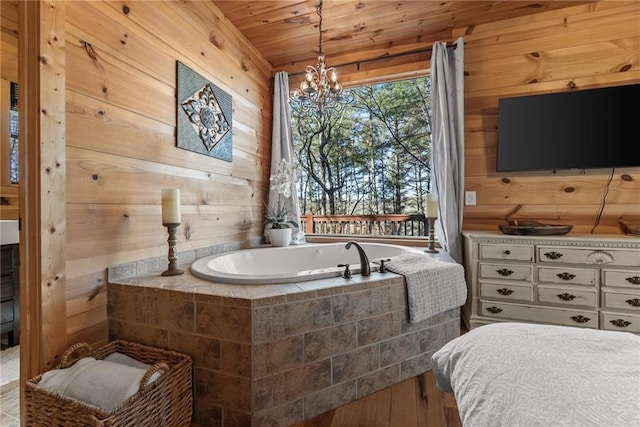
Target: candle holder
x=431, y=223
x=173, y=269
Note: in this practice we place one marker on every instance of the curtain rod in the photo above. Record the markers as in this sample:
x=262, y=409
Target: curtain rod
x=379, y=58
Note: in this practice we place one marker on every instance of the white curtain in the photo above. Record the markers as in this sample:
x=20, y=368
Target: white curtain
x=447, y=84
x=282, y=147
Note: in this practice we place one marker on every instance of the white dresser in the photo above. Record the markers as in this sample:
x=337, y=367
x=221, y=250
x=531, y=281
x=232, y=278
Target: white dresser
x=588, y=281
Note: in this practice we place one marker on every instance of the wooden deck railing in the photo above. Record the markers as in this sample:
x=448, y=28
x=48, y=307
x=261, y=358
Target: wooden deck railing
x=377, y=225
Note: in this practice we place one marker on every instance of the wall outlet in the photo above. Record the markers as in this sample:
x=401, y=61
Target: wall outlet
x=470, y=198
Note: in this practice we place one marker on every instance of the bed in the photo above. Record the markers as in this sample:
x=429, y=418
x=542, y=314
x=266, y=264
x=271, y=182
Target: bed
x=516, y=375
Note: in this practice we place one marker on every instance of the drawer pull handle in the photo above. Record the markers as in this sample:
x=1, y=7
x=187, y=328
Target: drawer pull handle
x=494, y=310
x=507, y=252
x=504, y=291
x=635, y=280
x=633, y=302
x=566, y=276
x=566, y=297
x=504, y=272
x=620, y=323
x=580, y=319
x=553, y=255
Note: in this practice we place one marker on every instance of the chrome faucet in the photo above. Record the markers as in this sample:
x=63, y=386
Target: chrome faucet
x=365, y=269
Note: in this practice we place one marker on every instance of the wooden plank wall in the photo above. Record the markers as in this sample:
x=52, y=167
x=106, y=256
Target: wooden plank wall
x=8, y=73
x=121, y=144
x=585, y=46
x=44, y=256
x=9, y=40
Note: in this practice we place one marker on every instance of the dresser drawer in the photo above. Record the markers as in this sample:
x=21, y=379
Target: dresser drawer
x=510, y=291
x=621, y=322
x=567, y=296
x=8, y=261
x=564, y=255
x=560, y=316
x=6, y=286
x=6, y=312
x=578, y=276
x=627, y=301
x=506, y=252
x=623, y=278
x=506, y=271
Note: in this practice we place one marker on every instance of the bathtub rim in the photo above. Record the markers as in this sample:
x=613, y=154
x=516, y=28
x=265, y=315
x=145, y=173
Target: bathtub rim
x=278, y=279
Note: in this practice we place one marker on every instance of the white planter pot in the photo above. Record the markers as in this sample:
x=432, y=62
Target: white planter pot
x=279, y=236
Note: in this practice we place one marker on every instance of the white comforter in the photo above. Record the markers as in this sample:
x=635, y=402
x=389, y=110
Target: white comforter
x=517, y=375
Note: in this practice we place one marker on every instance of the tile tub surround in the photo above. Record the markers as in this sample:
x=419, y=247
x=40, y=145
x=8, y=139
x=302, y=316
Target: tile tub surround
x=274, y=355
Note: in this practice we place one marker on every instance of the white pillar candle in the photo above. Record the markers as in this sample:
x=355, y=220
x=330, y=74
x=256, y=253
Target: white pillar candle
x=171, y=206
x=432, y=206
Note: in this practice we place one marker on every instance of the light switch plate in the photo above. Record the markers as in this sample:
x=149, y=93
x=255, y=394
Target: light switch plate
x=470, y=198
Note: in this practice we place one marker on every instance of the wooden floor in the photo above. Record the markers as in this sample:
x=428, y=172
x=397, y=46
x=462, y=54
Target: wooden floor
x=401, y=405
x=10, y=404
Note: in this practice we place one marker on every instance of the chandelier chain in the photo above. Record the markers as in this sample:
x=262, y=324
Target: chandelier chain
x=319, y=12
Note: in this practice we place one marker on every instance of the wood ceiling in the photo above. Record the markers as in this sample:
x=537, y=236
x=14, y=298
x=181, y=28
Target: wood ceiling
x=286, y=32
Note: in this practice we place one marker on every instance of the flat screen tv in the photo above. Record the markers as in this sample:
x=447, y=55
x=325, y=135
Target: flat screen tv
x=582, y=129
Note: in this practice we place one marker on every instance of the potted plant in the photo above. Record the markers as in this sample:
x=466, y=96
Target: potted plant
x=278, y=225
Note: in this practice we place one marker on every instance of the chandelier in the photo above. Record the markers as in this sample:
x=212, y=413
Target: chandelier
x=320, y=92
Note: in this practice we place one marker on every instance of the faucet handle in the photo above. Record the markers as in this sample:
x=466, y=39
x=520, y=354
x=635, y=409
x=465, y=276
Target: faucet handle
x=382, y=268
x=347, y=272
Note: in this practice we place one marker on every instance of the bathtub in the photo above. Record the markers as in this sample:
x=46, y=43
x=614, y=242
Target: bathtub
x=296, y=263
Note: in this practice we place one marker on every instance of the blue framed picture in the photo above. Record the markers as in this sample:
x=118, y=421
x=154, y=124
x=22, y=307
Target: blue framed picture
x=204, y=119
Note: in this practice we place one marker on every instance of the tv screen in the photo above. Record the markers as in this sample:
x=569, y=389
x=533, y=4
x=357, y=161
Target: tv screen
x=583, y=129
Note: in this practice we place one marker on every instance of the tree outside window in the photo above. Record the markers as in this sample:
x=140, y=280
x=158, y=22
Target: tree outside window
x=372, y=156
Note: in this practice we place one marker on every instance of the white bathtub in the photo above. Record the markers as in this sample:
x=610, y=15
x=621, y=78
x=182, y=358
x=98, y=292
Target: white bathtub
x=296, y=263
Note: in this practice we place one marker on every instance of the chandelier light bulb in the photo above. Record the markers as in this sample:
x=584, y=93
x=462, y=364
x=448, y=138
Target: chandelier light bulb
x=309, y=75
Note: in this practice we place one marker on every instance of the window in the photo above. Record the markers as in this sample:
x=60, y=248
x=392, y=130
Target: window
x=370, y=158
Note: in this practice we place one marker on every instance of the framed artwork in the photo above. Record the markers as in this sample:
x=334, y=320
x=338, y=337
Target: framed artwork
x=204, y=118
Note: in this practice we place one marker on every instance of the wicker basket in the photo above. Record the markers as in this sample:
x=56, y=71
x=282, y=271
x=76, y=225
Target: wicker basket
x=168, y=401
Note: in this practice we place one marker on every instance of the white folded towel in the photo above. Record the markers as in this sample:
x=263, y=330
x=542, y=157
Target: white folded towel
x=130, y=361
x=102, y=383
x=433, y=286
x=127, y=360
